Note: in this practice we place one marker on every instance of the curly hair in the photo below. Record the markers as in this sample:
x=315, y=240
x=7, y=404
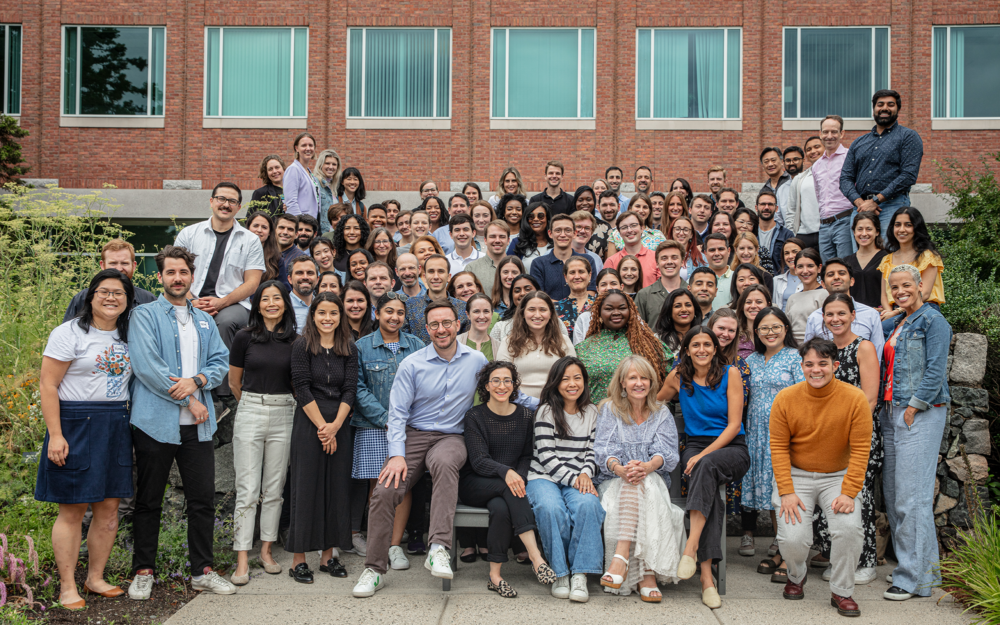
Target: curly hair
x=339, y=244
x=483, y=377
x=641, y=339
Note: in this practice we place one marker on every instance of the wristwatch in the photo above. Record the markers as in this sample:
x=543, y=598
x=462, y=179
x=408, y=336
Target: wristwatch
x=197, y=380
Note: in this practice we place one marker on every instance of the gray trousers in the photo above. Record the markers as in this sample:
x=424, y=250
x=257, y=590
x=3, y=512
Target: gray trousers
x=847, y=536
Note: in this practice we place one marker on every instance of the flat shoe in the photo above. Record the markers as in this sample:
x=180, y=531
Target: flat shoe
x=75, y=606
x=545, y=574
x=503, y=588
x=334, y=568
x=110, y=594
x=468, y=559
x=710, y=597
x=301, y=574
x=240, y=580
x=687, y=567
x=272, y=569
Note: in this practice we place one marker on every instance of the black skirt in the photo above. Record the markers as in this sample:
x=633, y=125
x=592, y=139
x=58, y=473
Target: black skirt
x=320, y=485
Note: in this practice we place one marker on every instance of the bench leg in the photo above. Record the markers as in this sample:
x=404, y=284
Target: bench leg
x=722, y=563
x=446, y=583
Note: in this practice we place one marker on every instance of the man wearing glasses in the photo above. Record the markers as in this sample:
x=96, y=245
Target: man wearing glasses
x=631, y=231
x=770, y=234
x=432, y=391
x=229, y=262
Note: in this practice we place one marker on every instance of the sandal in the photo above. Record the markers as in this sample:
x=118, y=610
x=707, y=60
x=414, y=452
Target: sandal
x=503, y=588
x=545, y=574
x=769, y=566
x=646, y=594
x=780, y=576
x=616, y=580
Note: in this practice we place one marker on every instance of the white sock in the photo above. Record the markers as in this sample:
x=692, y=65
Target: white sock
x=435, y=546
x=335, y=553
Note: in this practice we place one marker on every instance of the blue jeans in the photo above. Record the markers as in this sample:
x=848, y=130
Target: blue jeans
x=570, y=525
x=908, y=484
x=835, y=239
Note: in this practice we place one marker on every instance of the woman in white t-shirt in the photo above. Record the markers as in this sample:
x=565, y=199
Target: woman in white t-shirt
x=87, y=454
x=536, y=341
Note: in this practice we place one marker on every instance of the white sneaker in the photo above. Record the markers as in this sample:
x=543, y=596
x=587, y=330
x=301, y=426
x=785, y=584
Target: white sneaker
x=141, y=587
x=865, y=575
x=368, y=584
x=397, y=559
x=560, y=589
x=888, y=578
x=438, y=562
x=359, y=545
x=747, y=547
x=214, y=583
x=578, y=588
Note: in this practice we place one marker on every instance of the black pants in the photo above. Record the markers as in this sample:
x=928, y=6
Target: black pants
x=509, y=515
x=196, y=463
x=719, y=467
x=748, y=520
x=811, y=240
x=419, y=521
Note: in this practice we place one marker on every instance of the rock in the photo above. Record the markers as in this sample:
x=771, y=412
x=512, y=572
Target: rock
x=950, y=487
x=970, y=359
x=951, y=361
x=956, y=417
x=958, y=470
x=965, y=413
x=976, y=433
x=975, y=398
x=225, y=472
x=959, y=515
x=953, y=449
x=174, y=479
x=942, y=469
x=945, y=448
x=944, y=504
x=937, y=486
x=941, y=520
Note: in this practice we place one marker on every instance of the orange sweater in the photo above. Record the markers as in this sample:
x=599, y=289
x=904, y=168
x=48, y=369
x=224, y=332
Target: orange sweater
x=821, y=430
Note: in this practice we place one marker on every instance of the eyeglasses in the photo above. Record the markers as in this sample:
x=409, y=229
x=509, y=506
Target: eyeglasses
x=226, y=200
x=683, y=230
x=629, y=228
x=743, y=222
x=501, y=381
x=769, y=330
x=563, y=231
x=583, y=230
x=106, y=294
x=434, y=325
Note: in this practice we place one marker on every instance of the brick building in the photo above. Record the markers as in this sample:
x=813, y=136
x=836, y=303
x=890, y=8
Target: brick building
x=143, y=95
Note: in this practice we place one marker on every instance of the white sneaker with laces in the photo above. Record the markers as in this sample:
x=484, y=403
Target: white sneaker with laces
x=865, y=575
x=141, y=587
x=397, y=559
x=368, y=584
x=214, y=583
x=359, y=545
x=560, y=589
x=578, y=588
x=438, y=562
x=747, y=547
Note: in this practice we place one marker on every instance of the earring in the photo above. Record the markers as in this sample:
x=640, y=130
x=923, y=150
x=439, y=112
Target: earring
x=624, y=394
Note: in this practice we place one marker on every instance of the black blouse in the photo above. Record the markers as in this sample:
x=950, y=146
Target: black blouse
x=497, y=443
x=267, y=366
x=324, y=377
x=867, y=287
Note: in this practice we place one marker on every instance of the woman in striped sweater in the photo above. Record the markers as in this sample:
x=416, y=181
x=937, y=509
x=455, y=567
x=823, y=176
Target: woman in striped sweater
x=568, y=513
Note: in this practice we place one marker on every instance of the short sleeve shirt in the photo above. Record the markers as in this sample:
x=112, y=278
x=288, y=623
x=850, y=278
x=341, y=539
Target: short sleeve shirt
x=99, y=367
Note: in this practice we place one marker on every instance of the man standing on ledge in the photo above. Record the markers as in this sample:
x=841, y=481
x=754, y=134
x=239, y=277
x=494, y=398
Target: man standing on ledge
x=558, y=201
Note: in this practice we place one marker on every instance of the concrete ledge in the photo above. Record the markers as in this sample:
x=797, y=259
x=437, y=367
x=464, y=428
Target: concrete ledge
x=40, y=182
x=110, y=121
x=966, y=124
x=689, y=124
x=456, y=187
x=266, y=123
x=813, y=124
x=398, y=124
x=182, y=185
x=543, y=124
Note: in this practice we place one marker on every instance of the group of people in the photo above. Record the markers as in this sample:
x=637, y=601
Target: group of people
x=386, y=364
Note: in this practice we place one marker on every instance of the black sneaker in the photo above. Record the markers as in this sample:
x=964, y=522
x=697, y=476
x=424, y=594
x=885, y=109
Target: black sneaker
x=416, y=548
x=895, y=593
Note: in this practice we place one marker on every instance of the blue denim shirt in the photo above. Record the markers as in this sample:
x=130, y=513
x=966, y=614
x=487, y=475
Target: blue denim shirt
x=920, y=366
x=155, y=350
x=376, y=370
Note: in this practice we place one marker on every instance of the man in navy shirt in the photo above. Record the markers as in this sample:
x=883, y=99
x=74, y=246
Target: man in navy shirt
x=548, y=269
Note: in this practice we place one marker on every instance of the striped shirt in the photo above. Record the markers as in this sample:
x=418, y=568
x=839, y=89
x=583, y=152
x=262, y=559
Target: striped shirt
x=562, y=460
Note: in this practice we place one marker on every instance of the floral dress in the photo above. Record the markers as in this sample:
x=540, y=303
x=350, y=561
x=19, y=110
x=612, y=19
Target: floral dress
x=602, y=353
x=849, y=371
x=568, y=312
x=767, y=378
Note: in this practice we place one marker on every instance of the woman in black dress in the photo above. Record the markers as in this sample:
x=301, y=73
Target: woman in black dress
x=867, y=287
x=325, y=378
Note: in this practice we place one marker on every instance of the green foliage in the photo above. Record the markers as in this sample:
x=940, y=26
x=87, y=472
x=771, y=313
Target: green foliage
x=10, y=149
x=977, y=204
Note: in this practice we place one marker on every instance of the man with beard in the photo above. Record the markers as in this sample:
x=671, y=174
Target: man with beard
x=485, y=268
x=286, y=231
x=703, y=284
x=802, y=212
x=835, y=209
x=306, y=232
x=643, y=180
x=304, y=277
x=607, y=206
x=772, y=160
x=116, y=254
x=883, y=164
x=770, y=234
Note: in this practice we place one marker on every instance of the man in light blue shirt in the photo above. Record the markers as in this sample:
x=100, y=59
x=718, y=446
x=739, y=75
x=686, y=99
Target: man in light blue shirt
x=433, y=389
x=304, y=277
x=838, y=277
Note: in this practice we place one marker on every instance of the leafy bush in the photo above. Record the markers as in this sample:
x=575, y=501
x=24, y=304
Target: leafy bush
x=10, y=149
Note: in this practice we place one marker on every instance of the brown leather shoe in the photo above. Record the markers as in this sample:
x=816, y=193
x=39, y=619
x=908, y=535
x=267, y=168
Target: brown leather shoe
x=845, y=605
x=793, y=591
x=111, y=593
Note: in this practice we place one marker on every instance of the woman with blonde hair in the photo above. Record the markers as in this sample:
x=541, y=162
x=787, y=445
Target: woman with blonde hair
x=636, y=447
x=326, y=177
x=301, y=196
x=510, y=184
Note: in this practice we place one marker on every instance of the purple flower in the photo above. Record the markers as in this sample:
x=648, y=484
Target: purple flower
x=27, y=589
x=32, y=554
x=3, y=594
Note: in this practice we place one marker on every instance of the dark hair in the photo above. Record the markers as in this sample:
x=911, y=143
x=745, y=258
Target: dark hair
x=520, y=340
x=732, y=226
x=716, y=236
x=360, y=250
x=340, y=283
x=359, y=195
x=175, y=251
x=584, y=189
x=475, y=280
x=817, y=137
x=497, y=294
x=458, y=220
x=309, y=220
x=740, y=306
x=507, y=199
x=887, y=93
x=921, y=237
x=811, y=254
x=703, y=269
x=781, y=253
x=287, y=217
x=285, y=330
x=754, y=219
x=551, y=397
x=86, y=316
x=793, y=148
x=272, y=255
x=609, y=193
x=766, y=150
x=685, y=367
x=560, y=217
x=606, y=271
x=483, y=378
x=342, y=340
x=229, y=185
x=639, y=278
x=823, y=347
x=790, y=341
x=435, y=257
x=474, y=186
x=762, y=193
x=842, y=263
x=527, y=240
x=390, y=258
x=613, y=168
x=580, y=258
x=367, y=325
x=440, y=304
x=389, y=296
x=339, y=244
x=684, y=185
x=379, y=206
x=647, y=168
x=305, y=258
x=665, y=323
x=755, y=270
x=460, y=196
x=377, y=264
x=443, y=219
x=872, y=217
x=477, y=296
x=838, y=297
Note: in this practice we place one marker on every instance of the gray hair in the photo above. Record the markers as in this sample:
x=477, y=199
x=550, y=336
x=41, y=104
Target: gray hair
x=910, y=269
x=318, y=169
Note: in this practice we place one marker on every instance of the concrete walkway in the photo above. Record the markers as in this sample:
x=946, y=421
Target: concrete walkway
x=414, y=597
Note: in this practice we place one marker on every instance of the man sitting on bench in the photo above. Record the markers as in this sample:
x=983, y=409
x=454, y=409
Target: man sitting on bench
x=432, y=391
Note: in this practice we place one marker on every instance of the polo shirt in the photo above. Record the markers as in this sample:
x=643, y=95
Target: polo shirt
x=650, y=272
x=548, y=270
x=722, y=284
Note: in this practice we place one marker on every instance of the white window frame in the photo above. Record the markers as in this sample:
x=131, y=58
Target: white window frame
x=248, y=121
x=543, y=123
x=687, y=123
x=78, y=120
x=956, y=123
x=812, y=123
x=4, y=82
x=400, y=123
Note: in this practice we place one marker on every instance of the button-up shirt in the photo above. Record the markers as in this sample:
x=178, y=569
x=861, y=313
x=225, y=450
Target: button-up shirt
x=432, y=394
x=486, y=270
x=548, y=271
x=650, y=300
x=886, y=163
x=301, y=310
x=243, y=252
x=562, y=204
x=458, y=263
x=867, y=324
x=417, y=325
x=826, y=174
x=780, y=195
x=650, y=272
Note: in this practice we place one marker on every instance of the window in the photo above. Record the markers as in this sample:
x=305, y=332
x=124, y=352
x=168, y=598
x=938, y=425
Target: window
x=686, y=73
x=834, y=71
x=543, y=73
x=109, y=70
x=399, y=72
x=10, y=65
x=966, y=82
x=256, y=72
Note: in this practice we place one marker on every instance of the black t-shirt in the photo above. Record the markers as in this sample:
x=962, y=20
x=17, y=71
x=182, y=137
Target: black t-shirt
x=562, y=204
x=221, y=239
x=267, y=366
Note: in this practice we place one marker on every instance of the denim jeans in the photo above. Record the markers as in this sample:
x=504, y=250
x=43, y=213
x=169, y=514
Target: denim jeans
x=908, y=483
x=835, y=239
x=570, y=525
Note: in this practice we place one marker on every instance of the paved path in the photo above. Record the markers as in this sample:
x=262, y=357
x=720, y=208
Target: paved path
x=413, y=597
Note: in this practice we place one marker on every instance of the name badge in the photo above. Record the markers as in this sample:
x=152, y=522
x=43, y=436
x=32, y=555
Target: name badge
x=203, y=324
x=119, y=349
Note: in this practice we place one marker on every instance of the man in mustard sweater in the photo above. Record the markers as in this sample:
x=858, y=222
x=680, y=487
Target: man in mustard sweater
x=820, y=438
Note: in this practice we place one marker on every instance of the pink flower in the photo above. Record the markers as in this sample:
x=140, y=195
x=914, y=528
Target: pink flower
x=32, y=554
x=3, y=594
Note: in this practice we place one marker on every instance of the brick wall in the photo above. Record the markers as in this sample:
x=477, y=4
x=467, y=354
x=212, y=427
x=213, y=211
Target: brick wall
x=470, y=150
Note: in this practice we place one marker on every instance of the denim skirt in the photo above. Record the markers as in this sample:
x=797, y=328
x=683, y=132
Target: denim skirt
x=99, y=463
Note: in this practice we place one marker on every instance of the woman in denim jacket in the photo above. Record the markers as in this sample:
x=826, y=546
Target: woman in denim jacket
x=915, y=360
x=379, y=355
